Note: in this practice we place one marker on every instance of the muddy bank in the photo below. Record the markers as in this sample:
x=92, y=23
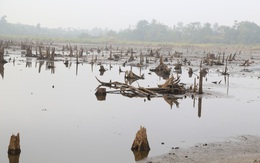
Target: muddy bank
x=241, y=149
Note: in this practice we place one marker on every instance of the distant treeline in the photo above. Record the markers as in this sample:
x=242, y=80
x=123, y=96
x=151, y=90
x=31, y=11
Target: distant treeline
x=240, y=33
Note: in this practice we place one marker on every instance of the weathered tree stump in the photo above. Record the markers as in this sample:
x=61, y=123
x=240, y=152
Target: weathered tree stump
x=14, y=145
x=2, y=60
x=141, y=143
x=140, y=146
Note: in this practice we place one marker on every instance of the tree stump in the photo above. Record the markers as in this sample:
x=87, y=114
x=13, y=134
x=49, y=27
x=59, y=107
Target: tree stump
x=14, y=145
x=140, y=146
x=140, y=143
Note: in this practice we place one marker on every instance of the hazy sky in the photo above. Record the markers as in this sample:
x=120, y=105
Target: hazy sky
x=119, y=14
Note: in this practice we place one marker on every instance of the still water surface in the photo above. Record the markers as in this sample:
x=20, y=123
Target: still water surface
x=60, y=119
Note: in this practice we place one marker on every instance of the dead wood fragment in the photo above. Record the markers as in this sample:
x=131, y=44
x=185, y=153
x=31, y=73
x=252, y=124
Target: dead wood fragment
x=247, y=63
x=131, y=75
x=178, y=66
x=225, y=70
x=177, y=54
x=2, y=60
x=162, y=68
x=140, y=146
x=14, y=145
x=173, y=86
x=190, y=72
x=211, y=59
x=202, y=74
x=131, y=56
x=141, y=142
x=110, y=56
x=170, y=82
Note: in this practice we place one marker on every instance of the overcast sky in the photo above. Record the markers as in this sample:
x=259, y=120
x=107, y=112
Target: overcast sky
x=120, y=14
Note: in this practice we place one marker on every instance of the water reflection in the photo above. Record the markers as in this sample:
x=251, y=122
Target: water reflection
x=101, y=94
x=199, y=106
x=130, y=81
x=171, y=100
x=13, y=158
x=28, y=62
x=77, y=65
x=162, y=74
x=102, y=70
x=66, y=62
x=50, y=65
x=139, y=155
x=2, y=70
x=226, y=79
x=41, y=62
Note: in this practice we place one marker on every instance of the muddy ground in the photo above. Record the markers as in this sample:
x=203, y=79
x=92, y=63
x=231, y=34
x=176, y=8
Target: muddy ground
x=241, y=149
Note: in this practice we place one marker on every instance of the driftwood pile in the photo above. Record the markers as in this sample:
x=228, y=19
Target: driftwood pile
x=171, y=86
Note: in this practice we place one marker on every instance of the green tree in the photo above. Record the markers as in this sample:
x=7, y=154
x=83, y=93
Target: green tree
x=248, y=33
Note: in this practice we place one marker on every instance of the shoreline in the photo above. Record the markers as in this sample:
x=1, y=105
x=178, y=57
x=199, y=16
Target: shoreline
x=240, y=149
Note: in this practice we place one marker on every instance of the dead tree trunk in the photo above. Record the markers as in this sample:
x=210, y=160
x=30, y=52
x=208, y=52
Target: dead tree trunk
x=51, y=58
x=2, y=60
x=131, y=56
x=203, y=73
x=14, y=145
x=225, y=71
x=200, y=82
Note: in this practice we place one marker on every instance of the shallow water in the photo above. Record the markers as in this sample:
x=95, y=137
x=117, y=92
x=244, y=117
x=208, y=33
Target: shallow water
x=60, y=119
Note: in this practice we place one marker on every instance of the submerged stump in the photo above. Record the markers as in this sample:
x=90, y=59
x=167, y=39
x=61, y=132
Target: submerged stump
x=14, y=145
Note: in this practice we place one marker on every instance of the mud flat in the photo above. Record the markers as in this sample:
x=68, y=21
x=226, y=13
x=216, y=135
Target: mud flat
x=240, y=149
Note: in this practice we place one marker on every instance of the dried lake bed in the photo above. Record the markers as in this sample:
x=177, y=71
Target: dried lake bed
x=59, y=118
